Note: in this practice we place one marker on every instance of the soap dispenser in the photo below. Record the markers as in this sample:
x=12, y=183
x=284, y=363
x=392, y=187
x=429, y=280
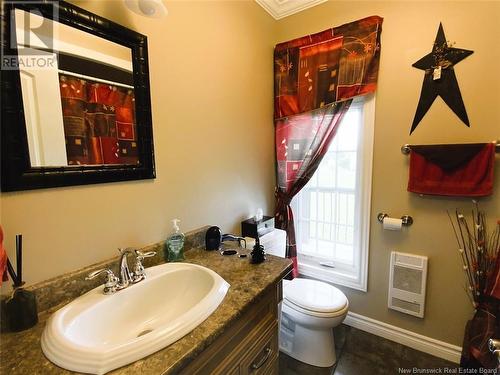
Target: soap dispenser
x=175, y=244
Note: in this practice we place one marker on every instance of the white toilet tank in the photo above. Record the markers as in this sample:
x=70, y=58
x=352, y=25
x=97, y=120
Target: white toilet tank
x=274, y=242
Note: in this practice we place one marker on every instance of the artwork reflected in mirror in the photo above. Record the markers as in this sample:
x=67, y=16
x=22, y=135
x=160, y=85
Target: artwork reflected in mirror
x=80, y=109
x=99, y=123
x=77, y=85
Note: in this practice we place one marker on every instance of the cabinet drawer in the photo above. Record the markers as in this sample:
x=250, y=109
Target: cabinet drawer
x=262, y=357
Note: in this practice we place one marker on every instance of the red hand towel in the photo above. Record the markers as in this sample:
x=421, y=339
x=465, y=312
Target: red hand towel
x=3, y=259
x=474, y=178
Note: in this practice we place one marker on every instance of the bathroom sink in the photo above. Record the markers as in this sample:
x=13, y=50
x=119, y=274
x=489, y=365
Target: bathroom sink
x=97, y=333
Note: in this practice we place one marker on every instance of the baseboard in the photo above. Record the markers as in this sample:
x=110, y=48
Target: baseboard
x=402, y=336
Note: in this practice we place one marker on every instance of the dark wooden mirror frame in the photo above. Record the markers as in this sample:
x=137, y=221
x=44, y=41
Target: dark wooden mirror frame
x=17, y=173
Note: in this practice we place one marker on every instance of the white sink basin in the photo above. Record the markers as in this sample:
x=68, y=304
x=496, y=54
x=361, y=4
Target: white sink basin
x=97, y=333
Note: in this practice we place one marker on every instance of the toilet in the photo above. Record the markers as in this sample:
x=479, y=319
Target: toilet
x=310, y=309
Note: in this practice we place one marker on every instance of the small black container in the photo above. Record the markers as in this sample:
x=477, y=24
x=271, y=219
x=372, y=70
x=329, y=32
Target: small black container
x=252, y=228
x=20, y=310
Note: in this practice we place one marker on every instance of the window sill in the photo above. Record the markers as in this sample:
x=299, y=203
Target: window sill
x=332, y=276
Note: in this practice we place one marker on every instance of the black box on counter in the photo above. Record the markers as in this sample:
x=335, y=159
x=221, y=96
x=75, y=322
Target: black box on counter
x=252, y=228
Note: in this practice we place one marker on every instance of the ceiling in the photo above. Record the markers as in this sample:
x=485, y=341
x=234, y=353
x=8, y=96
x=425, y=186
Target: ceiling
x=283, y=8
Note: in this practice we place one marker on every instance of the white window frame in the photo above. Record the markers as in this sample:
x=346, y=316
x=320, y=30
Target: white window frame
x=352, y=277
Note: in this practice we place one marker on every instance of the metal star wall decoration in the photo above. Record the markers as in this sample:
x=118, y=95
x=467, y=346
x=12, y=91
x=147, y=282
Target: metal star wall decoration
x=440, y=79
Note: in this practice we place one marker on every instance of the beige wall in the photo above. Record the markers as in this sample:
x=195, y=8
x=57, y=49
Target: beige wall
x=408, y=32
x=211, y=86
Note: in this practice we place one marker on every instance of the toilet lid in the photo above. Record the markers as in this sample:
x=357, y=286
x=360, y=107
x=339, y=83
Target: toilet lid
x=314, y=295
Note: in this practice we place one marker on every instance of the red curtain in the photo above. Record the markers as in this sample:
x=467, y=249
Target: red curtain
x=316, y=77
x=301, y=143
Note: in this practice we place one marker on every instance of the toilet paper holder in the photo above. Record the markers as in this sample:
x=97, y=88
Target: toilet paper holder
x=407, y=219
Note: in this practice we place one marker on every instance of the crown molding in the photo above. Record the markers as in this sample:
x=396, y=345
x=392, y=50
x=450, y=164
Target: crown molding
x=284, y=8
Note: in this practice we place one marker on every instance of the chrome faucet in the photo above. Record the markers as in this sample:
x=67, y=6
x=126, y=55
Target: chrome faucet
x=126, y=277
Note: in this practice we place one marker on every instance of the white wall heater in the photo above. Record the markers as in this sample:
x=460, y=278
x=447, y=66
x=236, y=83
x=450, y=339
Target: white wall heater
x=407, y=283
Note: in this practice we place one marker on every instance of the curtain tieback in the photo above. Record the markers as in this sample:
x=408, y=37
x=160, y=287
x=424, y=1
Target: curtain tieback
x=283, y=198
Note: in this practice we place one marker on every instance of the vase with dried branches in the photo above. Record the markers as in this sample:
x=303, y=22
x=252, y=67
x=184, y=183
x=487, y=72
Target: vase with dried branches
x=479, y=251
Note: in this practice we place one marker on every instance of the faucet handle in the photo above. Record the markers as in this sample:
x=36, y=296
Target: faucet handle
x=141, y=256
x=139, y=271
x=126, y=250
x=111, y=279
x=94, y=274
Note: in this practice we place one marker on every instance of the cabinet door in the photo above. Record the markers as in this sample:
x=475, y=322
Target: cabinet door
x=262, y=358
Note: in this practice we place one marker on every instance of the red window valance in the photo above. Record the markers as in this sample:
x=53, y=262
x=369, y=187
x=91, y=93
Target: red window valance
x=333, y=65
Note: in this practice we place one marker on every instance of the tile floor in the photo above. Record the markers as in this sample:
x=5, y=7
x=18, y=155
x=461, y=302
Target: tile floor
x=361, y=353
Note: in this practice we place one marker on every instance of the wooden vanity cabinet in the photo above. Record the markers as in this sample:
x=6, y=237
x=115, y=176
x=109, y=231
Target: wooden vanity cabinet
x=250, y=346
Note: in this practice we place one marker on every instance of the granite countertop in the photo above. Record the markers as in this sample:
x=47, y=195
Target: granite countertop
x=21, y=353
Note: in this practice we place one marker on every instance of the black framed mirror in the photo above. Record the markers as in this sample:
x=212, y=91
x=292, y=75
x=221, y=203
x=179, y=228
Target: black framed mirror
x=75, y=97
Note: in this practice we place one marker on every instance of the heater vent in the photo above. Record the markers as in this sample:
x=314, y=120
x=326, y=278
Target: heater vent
x=407, y=306
x=410, y=260
x=407, y=279
x=408, y=276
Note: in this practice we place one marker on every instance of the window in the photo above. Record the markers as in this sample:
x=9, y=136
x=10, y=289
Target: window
x=332, y=211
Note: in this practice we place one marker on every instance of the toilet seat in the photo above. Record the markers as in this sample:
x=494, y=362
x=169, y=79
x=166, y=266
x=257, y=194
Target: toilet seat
x=314, y=298
x=316, y=314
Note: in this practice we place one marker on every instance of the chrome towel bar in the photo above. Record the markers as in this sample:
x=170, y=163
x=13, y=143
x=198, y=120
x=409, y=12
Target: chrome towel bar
x=405, y=149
